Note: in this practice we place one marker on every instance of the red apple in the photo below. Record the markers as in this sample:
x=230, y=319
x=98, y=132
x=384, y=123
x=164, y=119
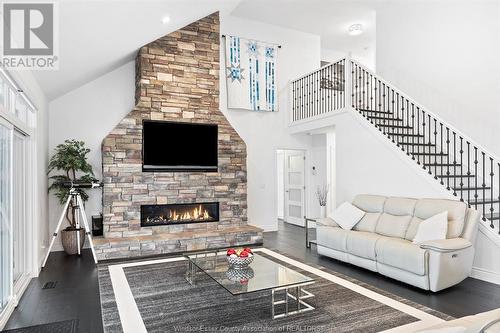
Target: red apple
x=249, y=250
x=231, y=251
x=243, y=254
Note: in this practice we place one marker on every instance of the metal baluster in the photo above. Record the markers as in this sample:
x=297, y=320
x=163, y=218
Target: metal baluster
x=423, y=141
x=475, y=177
x=468, y=173
x=429, y=123
x=418, y=134
x=403, y=130
x=492, y=209
x=461, y=170
x=435, y=149
x=484, y=187
x=447, y=158
x=455, y=164
x=441, y=151
x=412, y=131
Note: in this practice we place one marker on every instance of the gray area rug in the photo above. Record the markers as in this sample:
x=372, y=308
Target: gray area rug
x=167, y=303
x=67, y=326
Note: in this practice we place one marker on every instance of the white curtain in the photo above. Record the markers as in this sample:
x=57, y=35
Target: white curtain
x=251, y=74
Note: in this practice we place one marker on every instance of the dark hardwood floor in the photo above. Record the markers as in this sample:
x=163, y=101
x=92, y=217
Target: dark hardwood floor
x=76, y=294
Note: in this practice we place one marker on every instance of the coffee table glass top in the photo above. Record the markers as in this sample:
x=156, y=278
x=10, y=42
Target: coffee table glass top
x=262, y=273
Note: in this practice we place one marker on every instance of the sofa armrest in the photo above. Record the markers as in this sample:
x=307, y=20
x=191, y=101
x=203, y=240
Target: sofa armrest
x=446, y=245
x=326, y=222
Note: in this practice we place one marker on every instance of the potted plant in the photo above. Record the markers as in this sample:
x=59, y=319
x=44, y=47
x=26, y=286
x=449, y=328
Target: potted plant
x=70, y=158
x=322, y=195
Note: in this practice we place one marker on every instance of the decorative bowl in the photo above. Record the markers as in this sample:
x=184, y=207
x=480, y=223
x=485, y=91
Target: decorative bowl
x=239, y=262
x=240, y=275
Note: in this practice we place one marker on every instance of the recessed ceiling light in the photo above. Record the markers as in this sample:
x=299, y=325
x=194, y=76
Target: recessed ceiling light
x=165, y=19
x=355, y=29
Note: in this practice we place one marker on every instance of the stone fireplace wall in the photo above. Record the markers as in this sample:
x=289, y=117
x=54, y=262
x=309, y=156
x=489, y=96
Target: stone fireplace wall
x=177, y=79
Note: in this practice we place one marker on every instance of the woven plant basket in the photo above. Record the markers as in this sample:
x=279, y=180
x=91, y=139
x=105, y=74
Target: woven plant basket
x=68, y=239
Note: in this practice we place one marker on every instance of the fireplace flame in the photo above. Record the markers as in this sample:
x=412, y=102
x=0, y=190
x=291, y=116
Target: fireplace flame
x=197, y=214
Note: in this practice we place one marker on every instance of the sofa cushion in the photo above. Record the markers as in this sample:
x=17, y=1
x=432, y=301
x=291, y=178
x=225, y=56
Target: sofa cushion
x=393, y=225
x=400, y=206
x=370, y=203
x=434, y=228
x=402, y=254
x=332, y=237
x=362, y=244
x=347, y=215
x=426, y=208
x=413, y=228
x=368, y=222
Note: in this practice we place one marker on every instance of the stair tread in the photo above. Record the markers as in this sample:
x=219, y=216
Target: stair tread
x=484, y=201
x=465, y=188
x=393, y=126
x=416, y=144
x=385, y=118
x=455, y=176
x=429, y=153
x=371, y=111
x=404, y=134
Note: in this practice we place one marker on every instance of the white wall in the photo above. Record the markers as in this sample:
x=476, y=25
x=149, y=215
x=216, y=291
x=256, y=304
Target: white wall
x=368, y=59
x=41, y=233
x=280, y=183
x=368, y=162
x=265, y=132
x=444, y=54
x=89, y=113
x=318, y=177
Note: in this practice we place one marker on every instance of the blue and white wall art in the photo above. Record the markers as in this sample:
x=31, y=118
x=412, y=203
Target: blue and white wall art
x=251, y=74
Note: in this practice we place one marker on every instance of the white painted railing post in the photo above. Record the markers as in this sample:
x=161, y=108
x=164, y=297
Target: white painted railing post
x=348, y=81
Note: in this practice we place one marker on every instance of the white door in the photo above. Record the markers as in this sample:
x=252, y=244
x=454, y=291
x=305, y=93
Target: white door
x=295, y=187
x=20, y=205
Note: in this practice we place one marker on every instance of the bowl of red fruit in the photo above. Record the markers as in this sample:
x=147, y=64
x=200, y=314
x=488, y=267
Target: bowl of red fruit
x=239, y=258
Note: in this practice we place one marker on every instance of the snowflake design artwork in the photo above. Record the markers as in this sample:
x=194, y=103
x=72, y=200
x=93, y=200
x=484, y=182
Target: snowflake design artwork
x=235, y=72
x=252, y=49
x=270, y=52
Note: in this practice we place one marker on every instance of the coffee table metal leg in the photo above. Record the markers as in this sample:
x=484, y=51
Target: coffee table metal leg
x=191, y=273
x=301, y=295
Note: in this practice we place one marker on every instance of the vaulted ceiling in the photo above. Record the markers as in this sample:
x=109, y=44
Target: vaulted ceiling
x=98, y=36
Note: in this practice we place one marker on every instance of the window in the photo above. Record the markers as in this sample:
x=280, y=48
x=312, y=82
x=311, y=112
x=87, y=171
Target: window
x=5, y=213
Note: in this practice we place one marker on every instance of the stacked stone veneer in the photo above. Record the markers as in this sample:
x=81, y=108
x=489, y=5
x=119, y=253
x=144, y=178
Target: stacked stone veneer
x=177, y=79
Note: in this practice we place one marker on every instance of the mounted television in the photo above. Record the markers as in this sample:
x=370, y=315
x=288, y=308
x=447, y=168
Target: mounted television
x=177, y=147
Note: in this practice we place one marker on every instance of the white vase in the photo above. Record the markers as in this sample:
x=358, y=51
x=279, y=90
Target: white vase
x=322, y=211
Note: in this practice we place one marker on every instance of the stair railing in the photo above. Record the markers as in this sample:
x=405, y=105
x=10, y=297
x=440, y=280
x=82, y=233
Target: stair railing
x=320, y=92
x=465, y=168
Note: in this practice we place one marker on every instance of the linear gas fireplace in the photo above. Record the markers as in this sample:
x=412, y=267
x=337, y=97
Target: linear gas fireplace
x=152, y=215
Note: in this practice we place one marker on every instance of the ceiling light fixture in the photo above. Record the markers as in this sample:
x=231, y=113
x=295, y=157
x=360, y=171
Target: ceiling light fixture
x=165, y=19
x=355, y=29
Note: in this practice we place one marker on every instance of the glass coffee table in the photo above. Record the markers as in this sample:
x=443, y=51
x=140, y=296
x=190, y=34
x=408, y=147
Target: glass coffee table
x=262, y=274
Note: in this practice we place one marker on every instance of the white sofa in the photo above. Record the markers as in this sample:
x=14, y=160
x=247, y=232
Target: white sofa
x=486, y=322
x=382, y=240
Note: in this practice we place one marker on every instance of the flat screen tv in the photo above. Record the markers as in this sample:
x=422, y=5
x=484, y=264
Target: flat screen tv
x=179, y=147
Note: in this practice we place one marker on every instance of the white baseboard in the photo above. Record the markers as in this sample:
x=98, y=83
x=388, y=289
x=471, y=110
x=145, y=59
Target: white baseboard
x=485, y=275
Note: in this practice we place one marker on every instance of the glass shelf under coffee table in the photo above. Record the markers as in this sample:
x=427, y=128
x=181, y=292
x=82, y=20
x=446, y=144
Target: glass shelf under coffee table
x=262, y=274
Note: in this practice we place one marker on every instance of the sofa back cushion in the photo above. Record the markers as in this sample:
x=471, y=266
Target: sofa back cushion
x=413, y=228
x=426, y=208
x=393, y=225
x=368, y=223
x=396, y=217
x=370, y=203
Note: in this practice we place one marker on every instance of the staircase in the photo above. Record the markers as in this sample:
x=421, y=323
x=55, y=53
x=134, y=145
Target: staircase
x=460, y=165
